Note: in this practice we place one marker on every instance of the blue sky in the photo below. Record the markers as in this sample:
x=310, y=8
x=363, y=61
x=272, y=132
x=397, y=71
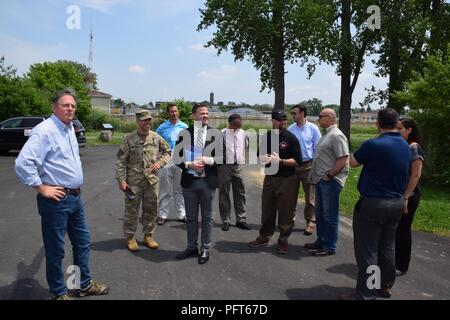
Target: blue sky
x=149, y=50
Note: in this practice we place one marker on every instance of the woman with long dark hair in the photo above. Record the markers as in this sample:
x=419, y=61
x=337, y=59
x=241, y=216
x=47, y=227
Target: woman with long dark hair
x=409, y=131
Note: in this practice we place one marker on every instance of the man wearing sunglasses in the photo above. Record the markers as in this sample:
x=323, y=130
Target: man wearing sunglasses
x=328, y=173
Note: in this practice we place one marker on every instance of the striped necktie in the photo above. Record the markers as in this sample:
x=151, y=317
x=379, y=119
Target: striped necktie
x=199, y=140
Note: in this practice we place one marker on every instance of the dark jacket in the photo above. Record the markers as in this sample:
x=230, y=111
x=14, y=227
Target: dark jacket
x=213, y=148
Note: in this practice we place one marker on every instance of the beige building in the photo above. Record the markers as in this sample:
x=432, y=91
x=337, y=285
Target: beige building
x=101, y=101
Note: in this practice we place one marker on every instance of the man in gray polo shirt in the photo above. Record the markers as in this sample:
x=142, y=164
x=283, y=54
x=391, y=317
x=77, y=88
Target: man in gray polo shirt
x=328, y=173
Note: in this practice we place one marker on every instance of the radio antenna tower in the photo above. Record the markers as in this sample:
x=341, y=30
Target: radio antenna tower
x=90, y=75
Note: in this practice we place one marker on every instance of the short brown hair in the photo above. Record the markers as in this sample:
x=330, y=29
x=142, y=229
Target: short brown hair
x=301, y=107
x=170, y=105
x=198, y=105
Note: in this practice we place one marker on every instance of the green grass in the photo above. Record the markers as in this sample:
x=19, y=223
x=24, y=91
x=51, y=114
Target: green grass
x=350, y=194
x=433, y=214
x=93, y=138
x=368, y=128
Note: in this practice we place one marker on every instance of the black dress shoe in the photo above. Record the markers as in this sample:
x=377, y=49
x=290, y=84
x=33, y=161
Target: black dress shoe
x=243, y=225
x=384, y=293
x=187, y=253
x=203, y=257
x=226, y=226
x=313, y=246
x=399, y=273
x=322, y=253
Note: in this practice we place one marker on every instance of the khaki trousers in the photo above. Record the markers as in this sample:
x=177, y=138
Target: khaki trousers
x=302, y=173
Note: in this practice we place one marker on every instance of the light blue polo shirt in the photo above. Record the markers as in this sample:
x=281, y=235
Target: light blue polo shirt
x=170, y=131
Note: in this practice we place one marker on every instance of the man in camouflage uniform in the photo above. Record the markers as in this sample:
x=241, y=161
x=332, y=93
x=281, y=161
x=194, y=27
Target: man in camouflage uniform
x=141, y=154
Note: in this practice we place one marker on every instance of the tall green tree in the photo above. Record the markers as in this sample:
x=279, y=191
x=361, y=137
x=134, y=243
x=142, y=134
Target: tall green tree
x=49, y=77
x=411, y=30
x=264, y=31
x=90, y=78
x=340, y=36
x=428, y=96
x=17, y=96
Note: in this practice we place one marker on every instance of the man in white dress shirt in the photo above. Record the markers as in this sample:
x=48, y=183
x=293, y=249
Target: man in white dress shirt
x=230, y=174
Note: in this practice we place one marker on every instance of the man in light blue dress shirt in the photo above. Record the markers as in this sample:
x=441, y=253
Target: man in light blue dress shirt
x=308, y=134
x=50, y=163
x=170, y=175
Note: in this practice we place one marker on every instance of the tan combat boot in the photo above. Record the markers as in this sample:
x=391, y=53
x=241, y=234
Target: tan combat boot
x=132, y=245
x=150, y=242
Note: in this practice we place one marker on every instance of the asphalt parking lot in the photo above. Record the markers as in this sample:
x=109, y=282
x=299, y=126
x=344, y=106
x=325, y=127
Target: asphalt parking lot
x=234, y=271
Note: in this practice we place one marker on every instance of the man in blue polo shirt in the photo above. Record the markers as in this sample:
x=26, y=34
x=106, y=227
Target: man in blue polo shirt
x=170, y=175
x=384, y=176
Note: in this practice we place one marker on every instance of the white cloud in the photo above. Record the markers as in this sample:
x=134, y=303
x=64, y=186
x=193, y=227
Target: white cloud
x=224, y=72
x=136, y=69
x=104, y=6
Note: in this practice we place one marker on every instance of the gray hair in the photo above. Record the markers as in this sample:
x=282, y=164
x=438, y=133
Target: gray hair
x=61, y=93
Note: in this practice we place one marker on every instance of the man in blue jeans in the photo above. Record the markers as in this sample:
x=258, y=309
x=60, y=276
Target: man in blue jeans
x=50, y=163
x=328, y=173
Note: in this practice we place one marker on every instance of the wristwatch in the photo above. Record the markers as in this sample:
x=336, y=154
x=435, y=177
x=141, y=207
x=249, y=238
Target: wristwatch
x=330, y=176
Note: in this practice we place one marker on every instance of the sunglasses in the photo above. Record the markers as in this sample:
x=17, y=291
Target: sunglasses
x=323, y=115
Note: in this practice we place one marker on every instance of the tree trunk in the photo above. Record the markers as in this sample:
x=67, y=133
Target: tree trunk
x=278, y=40
x=394, y=60
x=346, y=70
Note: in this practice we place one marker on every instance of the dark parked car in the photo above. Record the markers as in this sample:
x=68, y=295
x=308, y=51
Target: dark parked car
x=80, y=132
x=14, y=132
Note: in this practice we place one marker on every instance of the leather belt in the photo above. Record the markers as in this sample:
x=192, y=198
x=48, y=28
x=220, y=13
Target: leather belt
x=73, y=192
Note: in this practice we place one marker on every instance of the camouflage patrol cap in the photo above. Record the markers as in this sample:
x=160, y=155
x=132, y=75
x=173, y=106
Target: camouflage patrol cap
x=143, y=115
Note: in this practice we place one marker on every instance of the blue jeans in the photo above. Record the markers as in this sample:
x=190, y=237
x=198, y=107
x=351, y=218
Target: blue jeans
x=327, y=213
x=199, y=194
x=57, y=218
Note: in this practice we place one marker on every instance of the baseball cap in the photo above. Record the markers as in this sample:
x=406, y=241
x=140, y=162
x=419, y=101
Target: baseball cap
x=143, y=114
x=278, y=115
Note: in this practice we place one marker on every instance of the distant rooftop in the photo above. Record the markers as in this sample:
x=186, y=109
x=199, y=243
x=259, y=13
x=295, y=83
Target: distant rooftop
x=94, y=93
x=244, y=111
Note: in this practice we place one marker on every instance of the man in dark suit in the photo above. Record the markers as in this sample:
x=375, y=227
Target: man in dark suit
x=198, y=151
